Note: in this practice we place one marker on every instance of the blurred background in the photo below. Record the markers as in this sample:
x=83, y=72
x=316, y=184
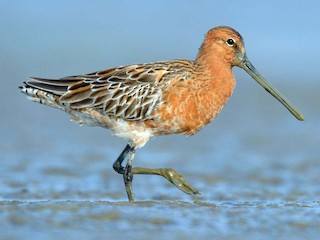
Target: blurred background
x=255, y=142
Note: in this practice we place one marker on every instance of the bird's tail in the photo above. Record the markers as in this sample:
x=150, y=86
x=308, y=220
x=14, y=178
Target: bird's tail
x=37, y=90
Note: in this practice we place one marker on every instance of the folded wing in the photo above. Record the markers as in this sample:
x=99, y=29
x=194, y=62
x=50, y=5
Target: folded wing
x=130, y=92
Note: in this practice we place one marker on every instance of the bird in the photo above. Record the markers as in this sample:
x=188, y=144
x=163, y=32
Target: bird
x=142, y=101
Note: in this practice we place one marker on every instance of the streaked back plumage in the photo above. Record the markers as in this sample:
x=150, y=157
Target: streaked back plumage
x=127, y=92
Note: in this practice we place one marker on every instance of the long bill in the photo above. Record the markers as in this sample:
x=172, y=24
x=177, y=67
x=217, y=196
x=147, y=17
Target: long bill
x=250, y=69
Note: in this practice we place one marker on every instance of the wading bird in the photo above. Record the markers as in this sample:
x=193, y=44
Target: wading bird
x=142, y=101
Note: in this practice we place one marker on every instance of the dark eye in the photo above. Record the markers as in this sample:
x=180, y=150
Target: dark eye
x=230, y=42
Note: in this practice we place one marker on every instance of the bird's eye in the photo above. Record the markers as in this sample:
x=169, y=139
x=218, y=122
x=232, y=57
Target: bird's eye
x=230, y=42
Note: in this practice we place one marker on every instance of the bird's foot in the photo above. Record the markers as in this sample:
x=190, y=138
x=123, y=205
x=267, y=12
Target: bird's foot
x=171, y=175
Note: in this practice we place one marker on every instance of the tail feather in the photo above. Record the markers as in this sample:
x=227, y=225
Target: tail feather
x=39, y=91
x=50, y=91
x=57, y=87
x=56, y=82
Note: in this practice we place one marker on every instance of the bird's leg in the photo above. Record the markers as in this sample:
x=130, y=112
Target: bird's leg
x=127, y=170
x=117, y=165
x=171, y=175
x=128, y=175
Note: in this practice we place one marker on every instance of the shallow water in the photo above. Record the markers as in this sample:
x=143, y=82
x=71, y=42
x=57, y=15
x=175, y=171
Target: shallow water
x=258, y=177
x=158, y=219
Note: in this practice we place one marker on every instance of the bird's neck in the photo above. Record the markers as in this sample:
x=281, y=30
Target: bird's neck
x=216, y=66
x=214, y=61
x=218, y=81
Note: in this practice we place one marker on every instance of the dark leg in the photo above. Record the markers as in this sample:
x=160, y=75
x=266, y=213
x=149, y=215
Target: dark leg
x=128, y=176
x=127, y=170
x=170, y=174
x=117, y=164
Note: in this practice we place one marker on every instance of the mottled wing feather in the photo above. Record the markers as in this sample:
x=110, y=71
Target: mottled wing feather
x=129, y=92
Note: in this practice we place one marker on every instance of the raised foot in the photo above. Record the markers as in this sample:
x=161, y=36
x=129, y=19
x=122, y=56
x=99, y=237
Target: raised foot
x=171, y=175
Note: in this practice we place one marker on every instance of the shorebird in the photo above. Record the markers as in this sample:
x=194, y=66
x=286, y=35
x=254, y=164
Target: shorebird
x=142, y=101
